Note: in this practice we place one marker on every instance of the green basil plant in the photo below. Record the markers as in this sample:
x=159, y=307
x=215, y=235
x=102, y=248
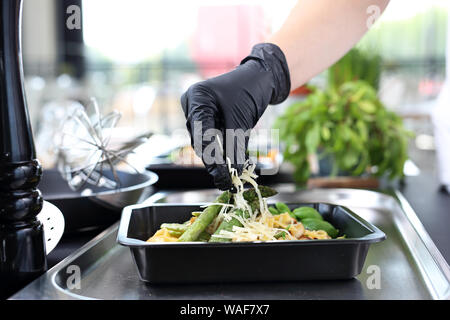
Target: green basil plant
x=348, y=124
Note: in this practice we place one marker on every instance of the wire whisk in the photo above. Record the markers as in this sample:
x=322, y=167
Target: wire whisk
x=85, y=154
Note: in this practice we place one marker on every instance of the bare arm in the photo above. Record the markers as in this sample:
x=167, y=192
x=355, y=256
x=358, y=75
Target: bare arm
x=319, y=32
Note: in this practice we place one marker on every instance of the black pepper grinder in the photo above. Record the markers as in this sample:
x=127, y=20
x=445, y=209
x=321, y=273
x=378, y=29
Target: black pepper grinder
x=22, y=243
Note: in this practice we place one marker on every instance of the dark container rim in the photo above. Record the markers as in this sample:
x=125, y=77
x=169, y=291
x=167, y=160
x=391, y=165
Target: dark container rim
x=375, y=236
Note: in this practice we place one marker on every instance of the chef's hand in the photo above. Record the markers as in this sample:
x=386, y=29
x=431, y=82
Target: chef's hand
x=235, y=100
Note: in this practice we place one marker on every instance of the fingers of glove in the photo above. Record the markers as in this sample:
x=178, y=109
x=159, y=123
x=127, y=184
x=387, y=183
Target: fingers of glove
x=214, y=160
x=200, y=110
x=246, y=92
x=236, y=145
x=184, y=103
x=221, y=176
x=197, y=98
x=204, y=123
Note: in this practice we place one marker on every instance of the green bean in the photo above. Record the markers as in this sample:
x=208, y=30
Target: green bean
x=283, y=208
x=273, y=211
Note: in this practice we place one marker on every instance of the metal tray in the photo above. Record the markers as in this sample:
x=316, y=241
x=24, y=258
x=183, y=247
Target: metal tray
x=405, y=266
x=161, y=263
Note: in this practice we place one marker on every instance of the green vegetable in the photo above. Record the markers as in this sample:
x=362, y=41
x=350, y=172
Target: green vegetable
x=307, y=213
x=266, y=192
x=228, y=226
x=315, y=224
x=347, y=126
x=283, y=208
x=251, y=197
x=175, y=233
x=174, y=227
x=281, y=234
x=204, y=237
x=201, y=223
x=273, y=211
x=254, y=205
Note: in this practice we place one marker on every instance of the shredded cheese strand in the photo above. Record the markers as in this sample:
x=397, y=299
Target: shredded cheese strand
x=255, y=227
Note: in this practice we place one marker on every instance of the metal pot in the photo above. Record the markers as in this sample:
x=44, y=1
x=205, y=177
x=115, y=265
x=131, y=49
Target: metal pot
x=95, y=207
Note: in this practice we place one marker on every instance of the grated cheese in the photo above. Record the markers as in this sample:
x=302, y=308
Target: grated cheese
x=256, y=226
x=259, y=225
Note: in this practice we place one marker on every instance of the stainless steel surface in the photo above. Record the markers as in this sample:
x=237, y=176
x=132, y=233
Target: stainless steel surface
x=55, y=188
x=96, y=207
x=409, y=264
x=125, y=196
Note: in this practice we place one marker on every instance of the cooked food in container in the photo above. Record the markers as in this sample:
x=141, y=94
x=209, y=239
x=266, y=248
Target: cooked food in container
x=240, y=238
x=245, y=216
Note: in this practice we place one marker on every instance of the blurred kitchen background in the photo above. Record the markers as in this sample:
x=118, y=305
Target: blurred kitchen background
x=139, y=56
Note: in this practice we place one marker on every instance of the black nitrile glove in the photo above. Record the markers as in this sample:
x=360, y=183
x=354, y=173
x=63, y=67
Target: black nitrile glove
x=235, y=100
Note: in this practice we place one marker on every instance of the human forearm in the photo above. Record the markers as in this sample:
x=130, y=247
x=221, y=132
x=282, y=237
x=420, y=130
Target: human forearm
x=319, y=32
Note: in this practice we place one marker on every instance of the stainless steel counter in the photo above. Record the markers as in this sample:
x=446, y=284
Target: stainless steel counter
x=408, y=265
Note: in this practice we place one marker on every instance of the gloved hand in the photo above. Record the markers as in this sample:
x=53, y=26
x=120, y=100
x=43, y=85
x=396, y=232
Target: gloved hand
x=232, y=101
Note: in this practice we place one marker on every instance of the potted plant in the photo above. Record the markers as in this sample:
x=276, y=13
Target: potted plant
x=357, y=64
x=349, y=127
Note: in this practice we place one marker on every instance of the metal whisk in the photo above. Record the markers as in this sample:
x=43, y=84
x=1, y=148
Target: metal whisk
x=84, y=151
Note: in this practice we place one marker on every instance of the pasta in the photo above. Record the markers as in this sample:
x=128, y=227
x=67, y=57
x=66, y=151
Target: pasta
x=248, y=221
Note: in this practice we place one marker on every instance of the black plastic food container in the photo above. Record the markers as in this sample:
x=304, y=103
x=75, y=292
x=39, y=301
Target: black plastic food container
x=195, y=262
